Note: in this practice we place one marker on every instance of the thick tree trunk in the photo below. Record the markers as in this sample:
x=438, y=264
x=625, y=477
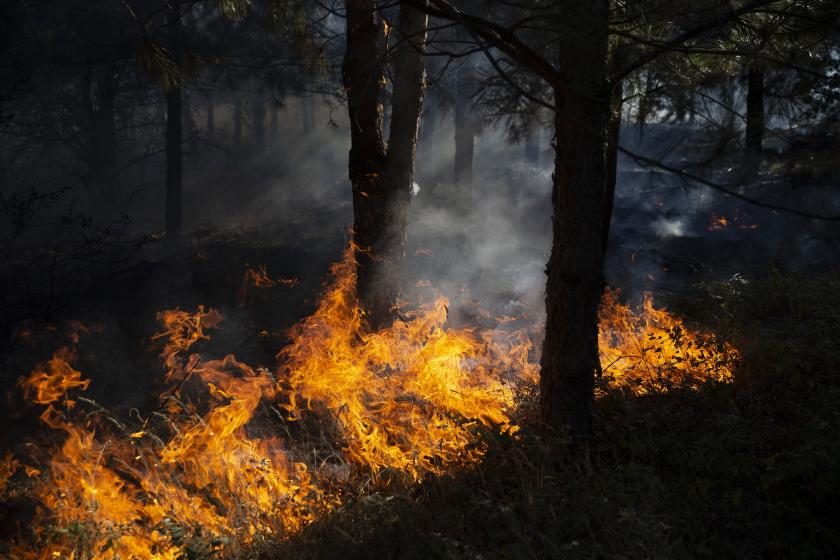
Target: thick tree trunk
x=174, y=136
x=570, y=351
x=381, y=183
x=363, y=79
x=398, y=176
x=755, y=115
x=465, y=128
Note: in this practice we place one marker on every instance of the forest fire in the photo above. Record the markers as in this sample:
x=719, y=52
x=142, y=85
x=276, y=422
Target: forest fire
x=257, y=277
x=408, y=401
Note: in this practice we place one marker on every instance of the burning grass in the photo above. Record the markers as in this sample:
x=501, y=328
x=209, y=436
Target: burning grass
x=207, y=473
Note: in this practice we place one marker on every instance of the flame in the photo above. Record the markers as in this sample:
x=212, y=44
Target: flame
x=181, y=330
x=206, y=471
x=653, y=350
x=407, y=398
x=258, y=278
x=50, y=382
x=149, y=493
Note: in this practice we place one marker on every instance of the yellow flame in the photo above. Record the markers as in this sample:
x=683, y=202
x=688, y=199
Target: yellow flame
x=407, y=400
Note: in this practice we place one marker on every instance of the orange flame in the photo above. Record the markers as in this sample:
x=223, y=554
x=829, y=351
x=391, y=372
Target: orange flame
x=181, y=331
x=408, y=400
x=50, y=382
x=652, y=350
x=258, y=278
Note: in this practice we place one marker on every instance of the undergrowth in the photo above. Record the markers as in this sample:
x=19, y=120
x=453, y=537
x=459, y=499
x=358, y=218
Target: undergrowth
x=740, y=470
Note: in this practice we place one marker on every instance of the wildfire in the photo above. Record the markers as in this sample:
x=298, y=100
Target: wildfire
x=258, y=278
x=393, y=406
x=407, y=398
x=652, y=350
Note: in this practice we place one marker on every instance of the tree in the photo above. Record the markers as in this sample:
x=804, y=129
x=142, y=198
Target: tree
x=582, y=86
x=575, y=268
x=382, y=178
x=465, y=122
x=174, y=136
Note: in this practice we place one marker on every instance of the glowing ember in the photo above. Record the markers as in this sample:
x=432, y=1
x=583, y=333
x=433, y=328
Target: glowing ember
x=738, y=220
x=718, y=222
x=399, y=404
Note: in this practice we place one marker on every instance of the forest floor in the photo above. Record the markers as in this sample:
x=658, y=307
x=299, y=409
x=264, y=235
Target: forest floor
x=749, y=469
x=744, y=469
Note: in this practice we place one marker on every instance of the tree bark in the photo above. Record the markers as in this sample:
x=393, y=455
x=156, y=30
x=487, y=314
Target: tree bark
x=174, y=136
x=575, y=269
x=381, y=181
x=755, y=115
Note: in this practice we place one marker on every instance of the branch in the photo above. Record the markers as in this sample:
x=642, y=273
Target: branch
x=648, y=162
x=499, y=37
x=669, y=45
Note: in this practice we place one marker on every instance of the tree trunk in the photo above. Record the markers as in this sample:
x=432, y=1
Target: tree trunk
x=381, y=183
x=465, y=128
x=532, y=145
x=102, y=144
x=274, y=125
x=306, y=113
x=755, y=115
x=398, y=176
x=187, y=123
x=645, y=108
x=237, y=121
x=174, y=137
x=570, y=351
x=211, y=117
x=259, y=119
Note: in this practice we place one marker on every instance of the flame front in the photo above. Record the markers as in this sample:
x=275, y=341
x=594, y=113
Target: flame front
x=399, y=404
x=406, y=398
